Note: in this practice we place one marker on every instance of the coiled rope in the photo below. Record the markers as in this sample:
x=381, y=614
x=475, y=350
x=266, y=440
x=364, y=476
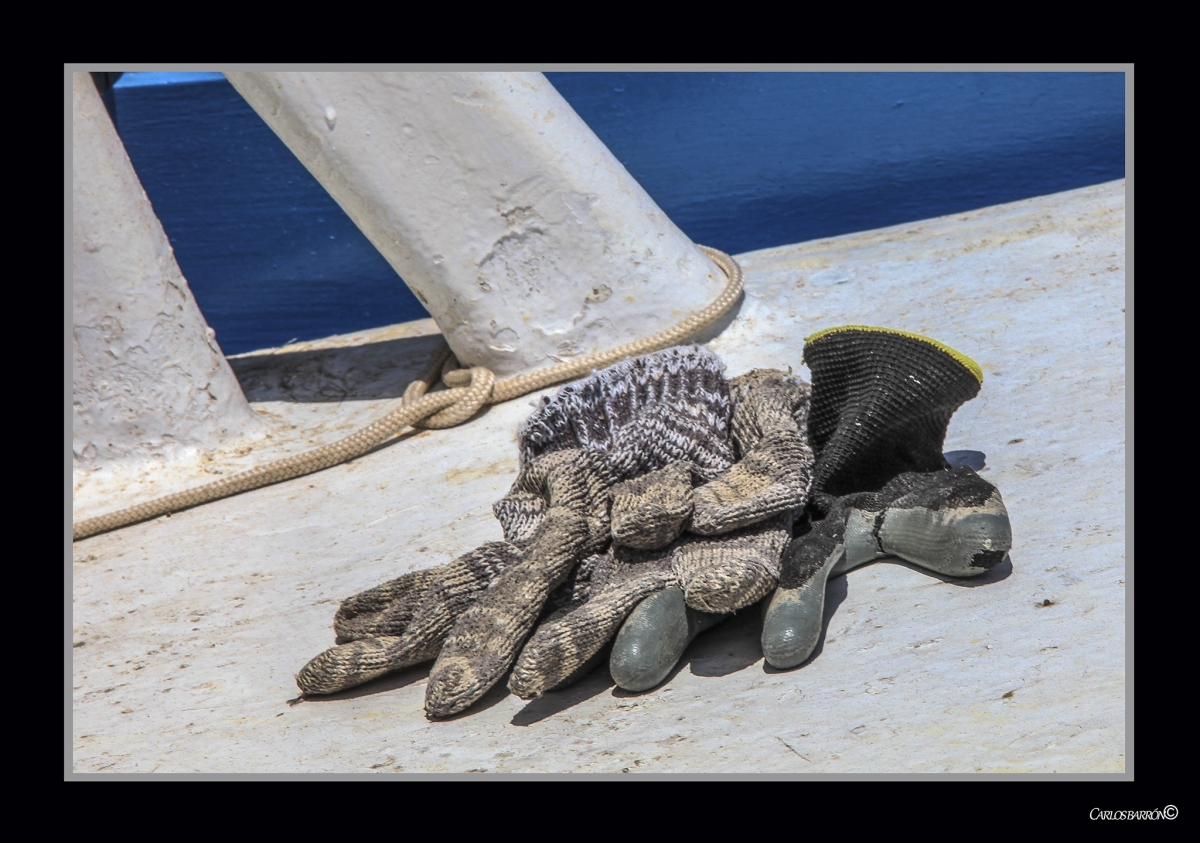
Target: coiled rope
x=468, y=390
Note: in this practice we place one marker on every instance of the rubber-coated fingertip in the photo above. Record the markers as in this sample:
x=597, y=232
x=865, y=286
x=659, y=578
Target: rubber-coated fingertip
x=792, y=626
x=957, y=541
x=650, y=642
x=654, y=637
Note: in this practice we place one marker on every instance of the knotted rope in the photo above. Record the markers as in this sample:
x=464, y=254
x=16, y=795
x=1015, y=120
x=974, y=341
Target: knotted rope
x=468, y=390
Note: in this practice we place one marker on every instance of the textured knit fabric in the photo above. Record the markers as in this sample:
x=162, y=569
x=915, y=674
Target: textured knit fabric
x=720, y=541
x=612, y=474
x=403, y=622
x=774, y=464
x=590, y=412
x=881, y=404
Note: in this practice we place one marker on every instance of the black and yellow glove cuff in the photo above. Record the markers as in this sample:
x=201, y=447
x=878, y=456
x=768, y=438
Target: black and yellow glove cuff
x=881, y=402
x=970, y=365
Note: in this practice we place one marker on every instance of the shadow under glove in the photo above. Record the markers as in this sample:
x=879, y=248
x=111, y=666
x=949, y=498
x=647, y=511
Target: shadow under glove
x=881, y=403
x=474, y=614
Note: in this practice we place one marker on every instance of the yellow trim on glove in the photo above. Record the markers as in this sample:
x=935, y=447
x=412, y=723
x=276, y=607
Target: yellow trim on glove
x=970, y=365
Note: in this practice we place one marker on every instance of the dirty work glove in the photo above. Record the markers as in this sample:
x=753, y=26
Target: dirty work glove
x=881, y=403
x=474, y=614
x=690, y=545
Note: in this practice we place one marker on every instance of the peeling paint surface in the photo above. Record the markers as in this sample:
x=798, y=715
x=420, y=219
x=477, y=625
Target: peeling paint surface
x=187, y=631
x=148, y=379
x=500, y=217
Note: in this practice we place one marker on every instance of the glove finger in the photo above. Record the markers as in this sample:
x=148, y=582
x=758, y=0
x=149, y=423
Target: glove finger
x=772, y=478
x=362, y=660
x=383, y=610
x=793, y=618
x=649, y=512
x=728, y=573
x=519, y=513
x=485, y=640
x=347, y=665
x=774, y=472
x=569, y=479
x=953, y=522
x=766, y=401
x=562, y=645
x=653, y=638
x=387, y=610
x=449, y=592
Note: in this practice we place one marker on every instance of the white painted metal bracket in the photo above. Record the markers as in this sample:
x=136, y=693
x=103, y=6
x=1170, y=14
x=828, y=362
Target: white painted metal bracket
x=148, y=379
x=526, y=239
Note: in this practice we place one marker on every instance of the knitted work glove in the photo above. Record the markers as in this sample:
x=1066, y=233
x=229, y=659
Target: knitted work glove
x=473, y=614
x=685, y=551
x=881, y=403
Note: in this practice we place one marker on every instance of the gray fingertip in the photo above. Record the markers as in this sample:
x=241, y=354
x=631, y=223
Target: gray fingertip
x=957, y=542
x=653, y=638
x=792, y=626
x=650, y=641
x=792, y=623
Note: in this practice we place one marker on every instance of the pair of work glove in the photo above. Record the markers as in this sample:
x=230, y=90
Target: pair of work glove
x=655, y=497
x=652, y=499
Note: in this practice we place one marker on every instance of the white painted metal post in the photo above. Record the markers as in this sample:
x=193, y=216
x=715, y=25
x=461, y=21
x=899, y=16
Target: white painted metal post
x=148, y=379
x=526, y=239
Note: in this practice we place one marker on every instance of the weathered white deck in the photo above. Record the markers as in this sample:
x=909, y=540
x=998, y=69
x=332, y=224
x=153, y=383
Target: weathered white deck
x=187, y=630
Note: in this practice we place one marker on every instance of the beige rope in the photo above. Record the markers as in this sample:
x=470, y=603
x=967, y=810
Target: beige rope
x=469, y=390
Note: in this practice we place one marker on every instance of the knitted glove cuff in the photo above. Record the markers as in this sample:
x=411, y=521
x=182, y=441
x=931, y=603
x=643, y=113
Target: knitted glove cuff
x=881, y=403
x=588, y=413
